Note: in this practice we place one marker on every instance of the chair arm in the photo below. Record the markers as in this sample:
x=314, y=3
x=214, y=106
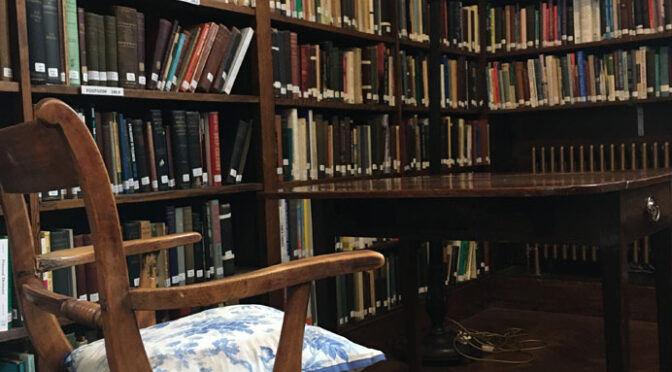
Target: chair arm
x=83, y=255
x=256, y=282
x=82, y=312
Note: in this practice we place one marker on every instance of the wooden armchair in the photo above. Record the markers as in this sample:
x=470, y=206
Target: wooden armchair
x=56, y=151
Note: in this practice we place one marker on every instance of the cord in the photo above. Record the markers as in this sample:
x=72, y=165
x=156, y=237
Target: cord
x=512, y=340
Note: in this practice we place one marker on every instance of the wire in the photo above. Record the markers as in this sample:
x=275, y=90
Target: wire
x=512, y=340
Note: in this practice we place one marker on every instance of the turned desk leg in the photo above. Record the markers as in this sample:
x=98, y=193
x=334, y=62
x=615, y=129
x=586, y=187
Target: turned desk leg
x=616, y=318
x=661, y=244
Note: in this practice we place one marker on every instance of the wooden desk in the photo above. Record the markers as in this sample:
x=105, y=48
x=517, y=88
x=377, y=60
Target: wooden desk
x=608, y=210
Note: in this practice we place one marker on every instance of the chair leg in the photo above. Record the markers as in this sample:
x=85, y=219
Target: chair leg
x=288, y=356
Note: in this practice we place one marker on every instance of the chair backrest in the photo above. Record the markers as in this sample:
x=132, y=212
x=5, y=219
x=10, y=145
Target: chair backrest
x=56, y=151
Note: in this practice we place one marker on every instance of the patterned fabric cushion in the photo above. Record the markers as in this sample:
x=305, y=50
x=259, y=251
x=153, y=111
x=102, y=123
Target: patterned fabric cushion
x=233, y=338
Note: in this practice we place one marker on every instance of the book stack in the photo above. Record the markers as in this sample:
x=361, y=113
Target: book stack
x=551, y=80
x=6, y=72
x=325, y=72
x=460, y=26
x=417, y=143
x=414, y=79
x=366, y=294
x=413, y=20
x=17, y=362
x=211, y=258
x=464, y=142
x=166, y=150
x=465, y=260
x=559, y=22
x=313, y=146
x=69, y=46
x=459, y=83
x=372, y=16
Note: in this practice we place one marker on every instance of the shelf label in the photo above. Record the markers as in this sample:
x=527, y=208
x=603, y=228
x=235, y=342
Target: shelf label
x=94, y=90
x=194, y=2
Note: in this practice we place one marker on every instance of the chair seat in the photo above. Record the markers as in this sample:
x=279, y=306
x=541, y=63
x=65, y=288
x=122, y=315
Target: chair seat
x=232, y=338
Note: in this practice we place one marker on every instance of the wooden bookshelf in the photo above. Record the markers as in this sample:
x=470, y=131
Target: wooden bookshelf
x=331, y=105
x=9, y=87
x=288, y=184
x=47, y=206
x=332, y=32
x=19, y=333
x=57, y=90
x=231, y=8
x=412, y=44
x=621, y=42
x=582, y=105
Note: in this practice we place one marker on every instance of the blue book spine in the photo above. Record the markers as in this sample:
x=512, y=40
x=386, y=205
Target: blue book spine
x=537, y=33
x=582, y=74
x=125, y=155
x=134, y=167
x=170, y=80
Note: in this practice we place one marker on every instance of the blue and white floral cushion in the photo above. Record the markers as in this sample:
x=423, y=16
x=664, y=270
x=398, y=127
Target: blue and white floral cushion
x=234, y=338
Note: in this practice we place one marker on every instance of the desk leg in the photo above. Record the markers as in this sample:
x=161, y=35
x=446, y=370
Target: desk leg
x=616, y=318
x=410, y=269
x=661, y=244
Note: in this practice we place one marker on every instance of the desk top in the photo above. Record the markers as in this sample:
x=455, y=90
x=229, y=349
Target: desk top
x=478, y=185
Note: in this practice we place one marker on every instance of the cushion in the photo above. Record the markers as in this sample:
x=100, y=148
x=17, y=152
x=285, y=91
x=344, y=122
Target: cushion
x=232, y=338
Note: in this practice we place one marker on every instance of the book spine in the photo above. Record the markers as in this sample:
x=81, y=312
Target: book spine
x=215, y=159
x=140, y=27
x=52, y=41
x=111, y=63
x=127, y=46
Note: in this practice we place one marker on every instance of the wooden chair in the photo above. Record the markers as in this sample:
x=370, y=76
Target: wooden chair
x=56, y=151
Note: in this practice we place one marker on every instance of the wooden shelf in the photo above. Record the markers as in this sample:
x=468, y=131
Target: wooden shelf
x=308, y=103
x=458, y=52
x=383, y=246
x=151, y=94
x=289, y=184
x=221, y=5
x=469, y=168
x=415, y=109
x=9, y=86
x=156, y=196
x=454, y=111
x=603, y=44
x=586, y=105
x=19, y=333
x=407, y=43
x=345, y=33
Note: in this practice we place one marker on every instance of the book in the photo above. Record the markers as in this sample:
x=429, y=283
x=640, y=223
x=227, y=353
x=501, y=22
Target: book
x=127, y=45
x=72, y=35
x=111, y=61
x=238, y=57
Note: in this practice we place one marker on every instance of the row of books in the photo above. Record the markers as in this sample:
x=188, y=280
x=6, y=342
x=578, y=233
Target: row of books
x=579, y=77
x=459, y=83
x=460, y=26
x=464, y=142
x=313, y=146
x=211, y=258
x=167, y=150
x=6, y=72
x=559, y=22
x=325, y=72
x=370, y=16
x=8, y=303
x=70, y=46
x=413, y=20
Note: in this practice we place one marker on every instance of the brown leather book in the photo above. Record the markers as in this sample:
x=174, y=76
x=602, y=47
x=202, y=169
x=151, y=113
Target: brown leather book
x=294, y=57
x=185, y=84
x=205, y=54
x=520, y=95
x=81, y=25
x=160, y=41
x=127, y=46
x=5, y=59
x=219, y=48
x=111, y=62
x=220, y=77
x=140, y=27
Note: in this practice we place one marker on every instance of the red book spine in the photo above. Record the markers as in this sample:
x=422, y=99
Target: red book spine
x=651, y=18
x=198, y=50
x=556, y=26
x=305, y=58
x=495, y=79
x=213, y=127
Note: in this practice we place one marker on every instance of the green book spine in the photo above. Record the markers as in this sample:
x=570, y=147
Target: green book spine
x=112, y=72
x=657, y=77
x=664, y=72
x=73, y=41
x=462, y=260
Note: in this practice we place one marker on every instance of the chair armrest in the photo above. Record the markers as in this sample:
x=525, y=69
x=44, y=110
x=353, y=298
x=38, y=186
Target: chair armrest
x=83, y=255
x=82, y=312
x=256, y=282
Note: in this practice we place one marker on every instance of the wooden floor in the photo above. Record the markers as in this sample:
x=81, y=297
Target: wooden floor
x=575, y=343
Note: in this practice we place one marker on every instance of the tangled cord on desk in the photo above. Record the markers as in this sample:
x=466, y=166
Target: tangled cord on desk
x=510, y=341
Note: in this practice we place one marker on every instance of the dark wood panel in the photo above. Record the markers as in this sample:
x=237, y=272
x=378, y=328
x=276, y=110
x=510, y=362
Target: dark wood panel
x=335, y=32
x=603, y=44
x=56, y=90
x=156, y=196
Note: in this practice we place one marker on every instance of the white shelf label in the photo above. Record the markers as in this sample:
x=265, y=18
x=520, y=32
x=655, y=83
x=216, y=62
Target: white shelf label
x=94, y=90
x=193, y=2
